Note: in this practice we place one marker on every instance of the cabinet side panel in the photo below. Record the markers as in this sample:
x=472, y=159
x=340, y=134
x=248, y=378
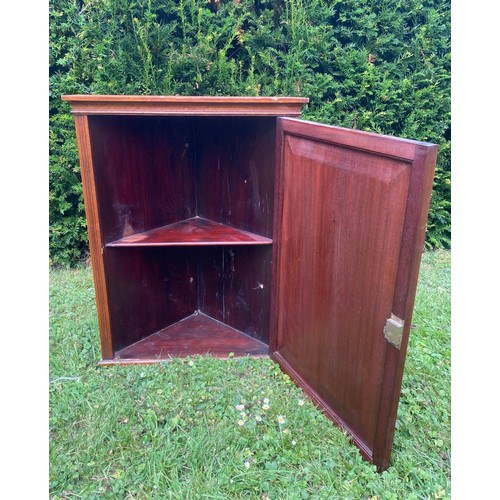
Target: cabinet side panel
x=143, y=171
x=235, y=161
x=94, y=233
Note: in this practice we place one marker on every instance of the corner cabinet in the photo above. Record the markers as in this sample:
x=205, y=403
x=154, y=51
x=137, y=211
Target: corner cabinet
x=223, y=225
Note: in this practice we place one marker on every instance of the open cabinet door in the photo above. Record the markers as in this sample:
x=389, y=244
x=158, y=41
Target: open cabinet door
x=350, y=223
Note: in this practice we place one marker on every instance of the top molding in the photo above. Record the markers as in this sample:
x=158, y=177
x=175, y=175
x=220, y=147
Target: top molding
x=184, y=105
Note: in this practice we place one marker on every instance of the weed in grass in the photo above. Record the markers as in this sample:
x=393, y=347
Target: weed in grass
x=171, y=430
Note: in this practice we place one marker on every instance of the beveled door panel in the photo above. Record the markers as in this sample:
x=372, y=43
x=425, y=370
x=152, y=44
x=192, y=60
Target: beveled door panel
x=341, y=221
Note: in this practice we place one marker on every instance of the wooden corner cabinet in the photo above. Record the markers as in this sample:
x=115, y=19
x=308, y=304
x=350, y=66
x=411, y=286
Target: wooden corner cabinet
x=223, y=225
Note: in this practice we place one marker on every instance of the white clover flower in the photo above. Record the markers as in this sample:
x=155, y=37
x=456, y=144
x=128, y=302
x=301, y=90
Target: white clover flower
x=240, y=407
x=258, y=418
x=294, y=442
x=301, y=402
x=247, y=465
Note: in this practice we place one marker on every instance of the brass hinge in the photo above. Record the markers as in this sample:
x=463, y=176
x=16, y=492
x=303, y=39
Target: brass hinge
x=393, y=331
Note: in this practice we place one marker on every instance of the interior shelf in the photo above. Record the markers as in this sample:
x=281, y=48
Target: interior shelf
x=197, y=334
x=192, y=232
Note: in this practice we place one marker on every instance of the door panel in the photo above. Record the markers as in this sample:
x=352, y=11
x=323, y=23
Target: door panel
x=340, y=224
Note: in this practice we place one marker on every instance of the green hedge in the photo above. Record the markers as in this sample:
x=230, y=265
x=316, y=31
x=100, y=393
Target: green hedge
x=378, y=65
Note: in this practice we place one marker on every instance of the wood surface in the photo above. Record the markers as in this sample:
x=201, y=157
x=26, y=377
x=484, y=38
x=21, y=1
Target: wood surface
x=94, y=233
x=184, y=105
x=144, y=172
x=341, y=229
x=155, y=171
x=198, y=334
x=155, y=176
x=235, y=287
x=216, y=226
x=235, y=171
x=192, y=232
x=412, y=243
x=149, y=289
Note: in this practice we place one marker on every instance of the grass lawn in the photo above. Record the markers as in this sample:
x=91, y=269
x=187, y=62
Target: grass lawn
x=203, y=428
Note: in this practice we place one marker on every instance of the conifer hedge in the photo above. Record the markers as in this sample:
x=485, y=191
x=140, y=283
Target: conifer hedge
x=375, y=65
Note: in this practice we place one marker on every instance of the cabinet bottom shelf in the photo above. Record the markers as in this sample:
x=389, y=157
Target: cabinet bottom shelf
x=197, y=334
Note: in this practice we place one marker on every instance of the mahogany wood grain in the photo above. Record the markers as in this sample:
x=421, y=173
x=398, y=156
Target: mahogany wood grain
x=412, y=243
x=144, y=172
x=235, y=171
x=149, y=289
x=246, y=281
x=153, y=172
x=403, y=149
x=153, y=287
x=338, y=239
x=192, y=232
x=198, y=334
x=184, y=105
x=94, y=234
x=321, y=403
x=235, y=287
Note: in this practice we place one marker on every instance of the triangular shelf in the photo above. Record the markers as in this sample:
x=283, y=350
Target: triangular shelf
x=192, y=232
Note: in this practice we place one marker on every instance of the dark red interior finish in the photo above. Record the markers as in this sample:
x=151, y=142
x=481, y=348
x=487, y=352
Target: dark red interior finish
x=345, y=198
x=197, y=332
x=235, y=287
x=229, y=284
x=235, y=179
x=166, y=182
x=155, y=171
x=144, y=172
x=135, y=276
x=192, y=232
